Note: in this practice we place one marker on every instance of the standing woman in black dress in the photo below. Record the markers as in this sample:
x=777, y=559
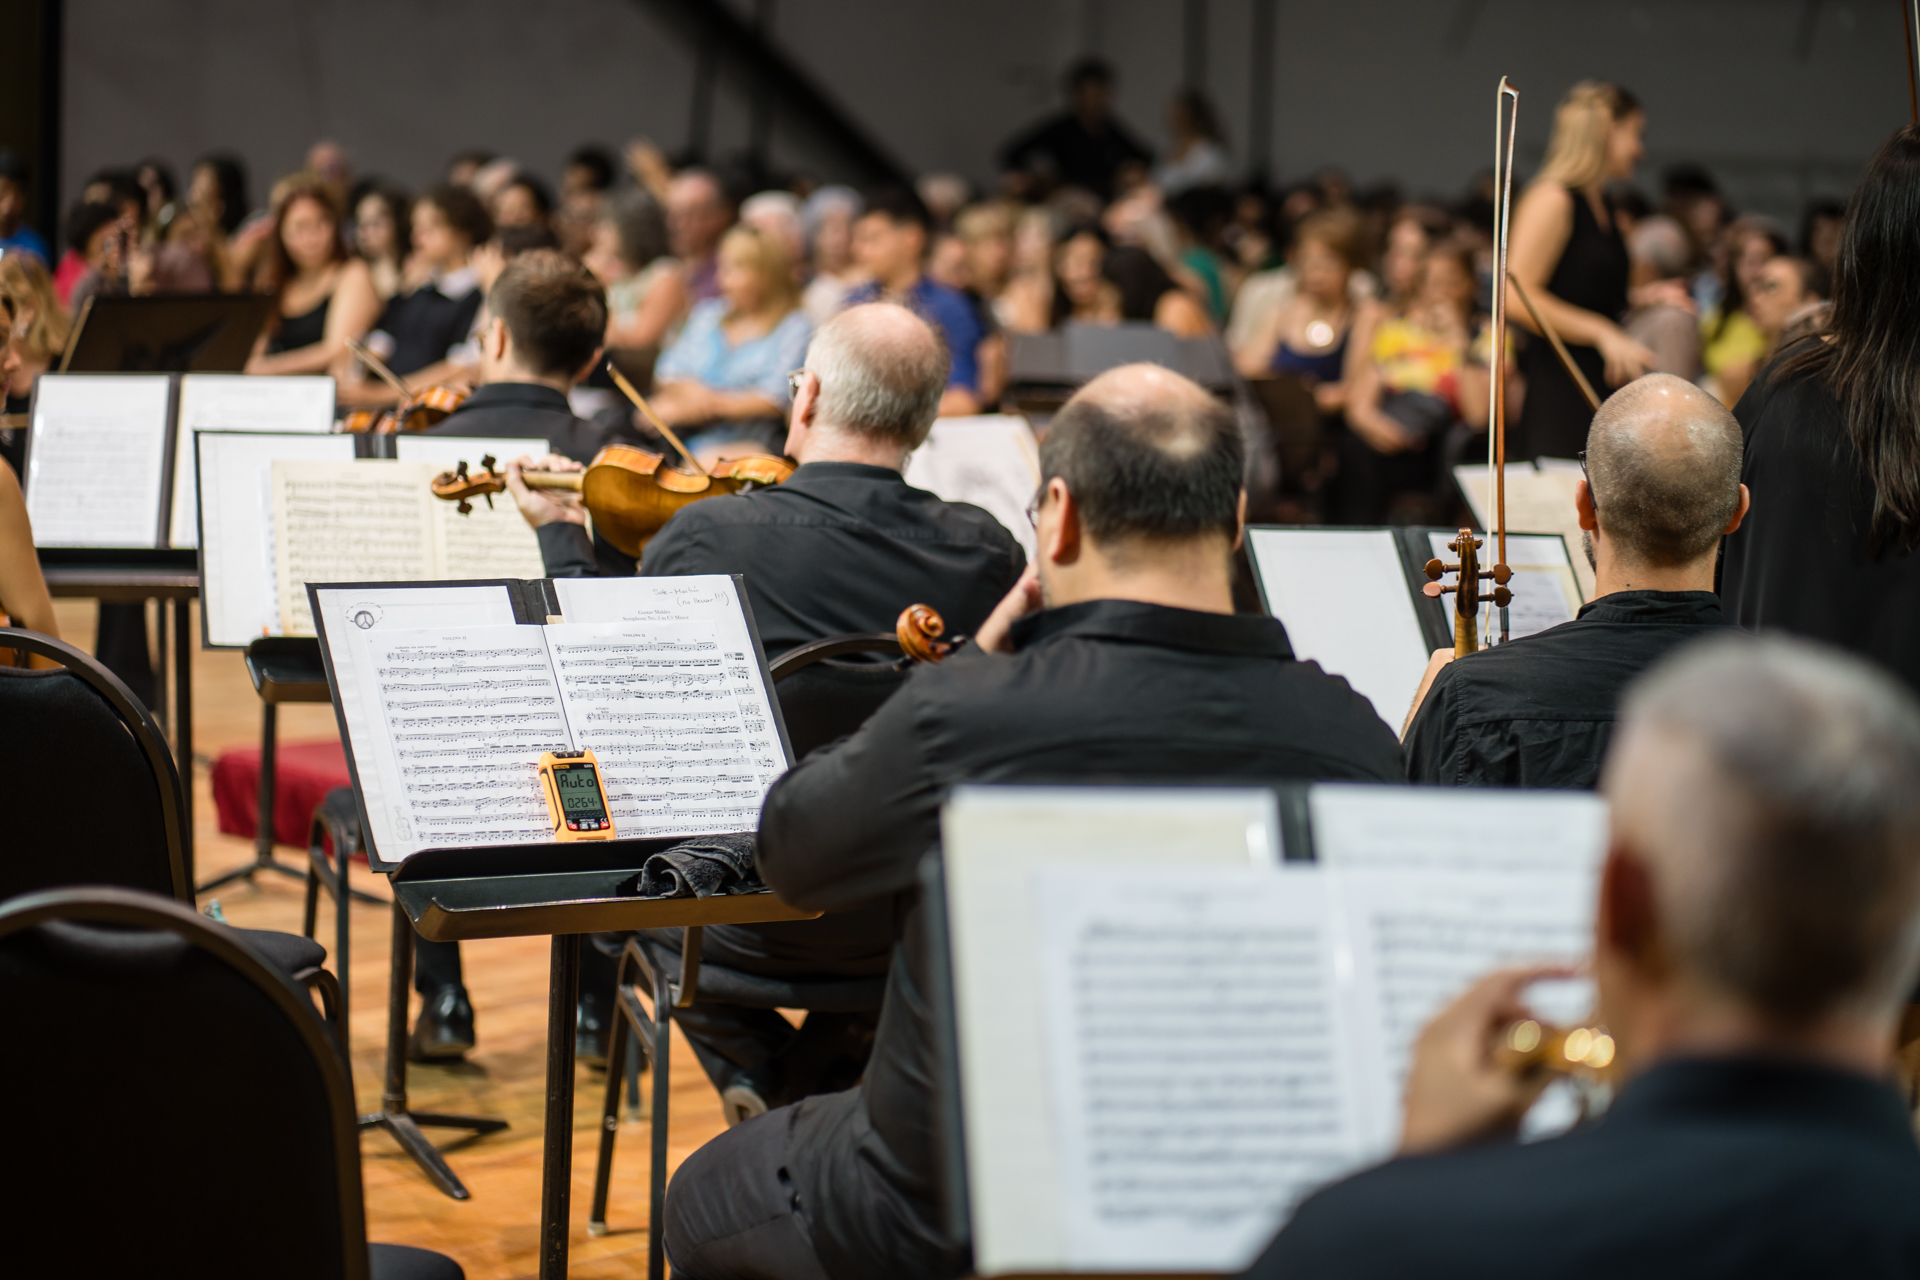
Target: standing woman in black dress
x=1833, y=446
x=1568, y=252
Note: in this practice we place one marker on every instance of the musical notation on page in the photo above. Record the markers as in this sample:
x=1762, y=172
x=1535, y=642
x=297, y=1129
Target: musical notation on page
x=96, y=460
x=346, y=522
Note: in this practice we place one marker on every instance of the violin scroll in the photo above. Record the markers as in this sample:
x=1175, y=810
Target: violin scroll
x=920, y=631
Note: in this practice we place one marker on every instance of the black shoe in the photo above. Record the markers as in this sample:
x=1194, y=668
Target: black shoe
x=444, y=1030
x=593, y=1026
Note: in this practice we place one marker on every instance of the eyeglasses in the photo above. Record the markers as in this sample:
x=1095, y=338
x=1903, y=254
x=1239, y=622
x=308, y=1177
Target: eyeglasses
x=1591, y=501
x=793, y=382
x=1033, y=508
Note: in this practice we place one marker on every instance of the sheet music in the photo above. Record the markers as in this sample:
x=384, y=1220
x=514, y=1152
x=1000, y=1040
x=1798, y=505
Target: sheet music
x=96, y=460
x=238, y=402
x=991, y=461
x=1545, y=592
x=1199, y=1068
x=237, y=581
x=1418, y=938
x=360, y=521
x=491, y=541
x=1342, y=596
x=467, y=712
x=676, y=718
x=355, y=618
x=1358, y=827
x=448, y=452
x=1538, y=501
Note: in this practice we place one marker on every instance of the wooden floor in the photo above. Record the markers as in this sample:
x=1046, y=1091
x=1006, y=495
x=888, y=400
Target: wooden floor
x=495, y=1234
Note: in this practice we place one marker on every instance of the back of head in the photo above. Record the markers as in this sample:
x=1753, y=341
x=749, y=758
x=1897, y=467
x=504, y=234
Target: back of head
x=462, y=210
x=1148, y=457
x=84, y=220
x=1663, y=459
x=1872, y=363
x=641, y=225
x=1775, y=787
x=554, y=309
x=900, y=206
x=882, y=370
x=1582, y=124
x=1661, y=243
x=24, y=278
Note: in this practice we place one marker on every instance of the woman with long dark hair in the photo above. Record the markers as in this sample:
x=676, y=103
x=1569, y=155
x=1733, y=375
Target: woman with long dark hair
x=1833, y=445
x=326, y=295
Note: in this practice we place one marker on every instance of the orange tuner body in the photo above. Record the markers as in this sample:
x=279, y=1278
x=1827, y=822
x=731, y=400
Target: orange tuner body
x=576, y=796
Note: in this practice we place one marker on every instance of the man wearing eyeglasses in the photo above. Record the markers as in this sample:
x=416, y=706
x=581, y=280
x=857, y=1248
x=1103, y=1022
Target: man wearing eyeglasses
x=1663, y=487
x=842, y=547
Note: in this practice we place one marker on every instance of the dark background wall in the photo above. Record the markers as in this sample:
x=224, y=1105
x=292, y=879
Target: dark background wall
x=1782, y=99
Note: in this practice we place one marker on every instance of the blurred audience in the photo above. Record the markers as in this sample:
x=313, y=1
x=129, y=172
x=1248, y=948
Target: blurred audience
x=698, y=214
x=325, y=295
x=646, y=292
x=1085, y=146
x=890, y=246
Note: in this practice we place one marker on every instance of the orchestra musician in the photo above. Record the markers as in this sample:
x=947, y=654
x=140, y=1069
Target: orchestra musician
x=1754, y=946
x=24, y=601
x=840, y=547
x=1663, y=487
x=1117, y=657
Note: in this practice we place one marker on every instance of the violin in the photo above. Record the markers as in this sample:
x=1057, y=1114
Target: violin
x=629, y=492
x=416, y=411
x=920, y=631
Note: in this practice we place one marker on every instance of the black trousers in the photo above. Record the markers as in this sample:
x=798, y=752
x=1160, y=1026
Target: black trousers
x=733, y=1211
x=435, y=965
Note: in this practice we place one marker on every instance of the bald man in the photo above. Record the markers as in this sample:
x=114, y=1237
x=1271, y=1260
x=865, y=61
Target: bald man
x=840, y=548
x=1662, y=488
x=1117, y=658
x=1754, y=944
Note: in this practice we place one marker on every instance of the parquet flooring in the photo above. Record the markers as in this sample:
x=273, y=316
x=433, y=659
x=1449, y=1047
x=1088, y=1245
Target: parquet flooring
x=494, y=1235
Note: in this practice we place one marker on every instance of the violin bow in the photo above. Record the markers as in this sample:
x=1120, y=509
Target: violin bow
x=379, y=368
x=1559, y=348
x=1506, y=122
x=1910, y=12
x=640, y=402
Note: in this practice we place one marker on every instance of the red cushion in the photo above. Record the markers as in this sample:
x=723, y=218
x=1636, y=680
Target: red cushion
x=303, y=774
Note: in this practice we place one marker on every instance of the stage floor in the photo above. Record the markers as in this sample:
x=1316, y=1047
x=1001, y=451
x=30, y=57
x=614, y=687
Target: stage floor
x=494, y=1235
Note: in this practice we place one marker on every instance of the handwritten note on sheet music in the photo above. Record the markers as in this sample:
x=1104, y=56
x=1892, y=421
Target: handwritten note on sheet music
x=1545, y=592
x=237, y=588
x=468, y=712
x=97, y=459
x=1199, y=1072
x=238, y=402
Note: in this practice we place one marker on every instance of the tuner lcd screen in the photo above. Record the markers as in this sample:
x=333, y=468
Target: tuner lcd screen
x=579, y=792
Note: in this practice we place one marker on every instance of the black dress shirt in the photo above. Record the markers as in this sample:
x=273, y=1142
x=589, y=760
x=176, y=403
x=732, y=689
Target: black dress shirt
x=1538, y=712
x=839, y=548
x=1741, y=1169
x=1799, y=562
x=426, y=324
x=1108, y=690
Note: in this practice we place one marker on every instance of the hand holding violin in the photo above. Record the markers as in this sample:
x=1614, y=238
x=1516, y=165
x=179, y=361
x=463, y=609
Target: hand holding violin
x=545, y=506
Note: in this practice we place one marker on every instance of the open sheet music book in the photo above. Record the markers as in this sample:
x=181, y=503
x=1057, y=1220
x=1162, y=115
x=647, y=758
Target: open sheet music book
x=448, y=693
x=1351, y=599
x=1167, y=1037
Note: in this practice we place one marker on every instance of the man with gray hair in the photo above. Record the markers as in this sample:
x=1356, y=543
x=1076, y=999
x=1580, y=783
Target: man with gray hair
x=1662, y=488
x=1755, y=940
x=842, y=547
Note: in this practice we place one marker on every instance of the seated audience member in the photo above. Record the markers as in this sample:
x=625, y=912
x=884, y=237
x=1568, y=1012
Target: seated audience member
x=827, y=217
x=1784, y=291
x=98, y=239
x=326, y=296
x=523, y=202
x=381, y=235
x=1733, y=342
x=842, y=547
x=1663, y=487
x=1754, y=948
x=646, y=294
x=1662, y=319
x=423, y=326
x=1137, y=669
x=16, y=236
x=890, y=245
x=1322, y=331
x=698, y=214
x=1424, y=372
x=1095, y=283
x=24, y=601
x=1198, y=157
x=725, y=376
x=218, y=205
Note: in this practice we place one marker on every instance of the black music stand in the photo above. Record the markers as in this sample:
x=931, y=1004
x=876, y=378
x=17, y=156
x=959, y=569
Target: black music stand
x=167, y=333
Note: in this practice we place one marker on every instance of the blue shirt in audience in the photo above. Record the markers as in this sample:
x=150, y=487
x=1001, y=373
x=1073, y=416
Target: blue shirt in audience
x=947, y=308
x=702, y=353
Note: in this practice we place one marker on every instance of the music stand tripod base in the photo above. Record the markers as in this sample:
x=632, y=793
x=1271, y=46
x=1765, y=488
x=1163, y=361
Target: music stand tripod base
x=393, y=1115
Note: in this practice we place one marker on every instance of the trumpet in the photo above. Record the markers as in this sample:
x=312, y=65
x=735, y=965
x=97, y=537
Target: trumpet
x=1529, y=1045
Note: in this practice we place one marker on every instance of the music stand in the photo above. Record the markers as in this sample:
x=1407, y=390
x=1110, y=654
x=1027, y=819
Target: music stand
x=167, y=333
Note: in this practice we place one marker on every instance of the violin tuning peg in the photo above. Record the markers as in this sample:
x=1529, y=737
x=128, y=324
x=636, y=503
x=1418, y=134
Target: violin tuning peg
x=1434, y=568
x=1502, y=573
x=1433, y=590
x=487, y=461
x=465, y=508
x=461, y=470
x=1502, y=597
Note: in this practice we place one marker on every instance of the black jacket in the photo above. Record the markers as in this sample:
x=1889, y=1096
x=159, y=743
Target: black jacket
x=1799, y=562
x=1703, y=1170
x=839, y=548
x=1108, y=690
x=1539, y=712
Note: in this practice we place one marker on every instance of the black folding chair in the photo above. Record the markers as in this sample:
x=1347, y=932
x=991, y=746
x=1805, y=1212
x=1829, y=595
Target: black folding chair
x=101, y=801
x=822, y=700
x=220, y=1031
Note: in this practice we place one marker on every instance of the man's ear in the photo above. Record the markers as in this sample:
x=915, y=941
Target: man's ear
x=1583, y=504
x=1627, y=924
x=806, y=400
x=1746, y=504
x=1240, y=522
x=1063, y=541
x=497, y=340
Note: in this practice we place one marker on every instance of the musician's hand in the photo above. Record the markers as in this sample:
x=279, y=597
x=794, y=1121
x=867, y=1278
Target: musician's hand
x=1457, y=1090
x=545, y=506
x=1024, y=599
x=1626, y=359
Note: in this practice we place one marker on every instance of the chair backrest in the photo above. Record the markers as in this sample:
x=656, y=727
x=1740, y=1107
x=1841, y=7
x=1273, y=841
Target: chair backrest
x=209, y=1132
x=823, y=700
x=89, y=793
